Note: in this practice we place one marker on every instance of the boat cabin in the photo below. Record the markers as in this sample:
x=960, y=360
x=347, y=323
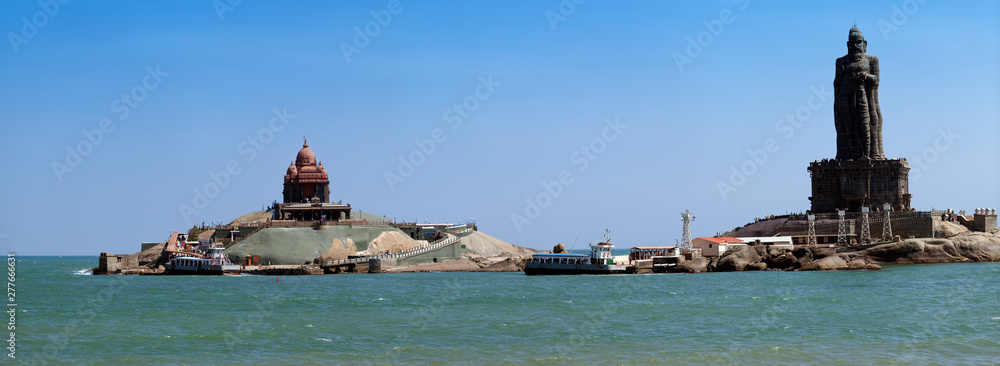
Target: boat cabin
x=641, y=253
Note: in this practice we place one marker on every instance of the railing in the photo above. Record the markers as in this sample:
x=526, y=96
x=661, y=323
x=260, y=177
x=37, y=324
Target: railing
x=297, y=223
x=451, y=239
x=872, y=216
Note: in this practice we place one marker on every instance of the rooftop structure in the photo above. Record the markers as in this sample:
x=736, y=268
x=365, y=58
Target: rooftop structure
x=306, y=179
x=307, y=191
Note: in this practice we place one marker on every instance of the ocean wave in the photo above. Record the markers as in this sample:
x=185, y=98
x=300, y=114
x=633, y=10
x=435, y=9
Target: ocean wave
x=84, y=272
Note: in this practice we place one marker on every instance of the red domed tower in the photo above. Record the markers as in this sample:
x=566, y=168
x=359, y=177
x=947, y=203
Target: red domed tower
x=305, y=180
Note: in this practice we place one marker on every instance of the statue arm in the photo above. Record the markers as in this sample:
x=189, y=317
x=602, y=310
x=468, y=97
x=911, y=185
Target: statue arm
x=873, y=75
x=836, y=78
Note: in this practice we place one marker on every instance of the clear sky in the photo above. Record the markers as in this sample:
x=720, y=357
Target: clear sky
x=517, y=94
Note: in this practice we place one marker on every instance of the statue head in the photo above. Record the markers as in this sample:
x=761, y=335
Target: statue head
x=856, y=42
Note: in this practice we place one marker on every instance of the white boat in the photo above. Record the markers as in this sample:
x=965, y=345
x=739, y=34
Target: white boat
x=599, y=261
x=214, y=263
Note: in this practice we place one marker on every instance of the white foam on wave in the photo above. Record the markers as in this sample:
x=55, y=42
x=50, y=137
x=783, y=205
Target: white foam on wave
x=83, y=272
x=996, y=318
x=324, y=339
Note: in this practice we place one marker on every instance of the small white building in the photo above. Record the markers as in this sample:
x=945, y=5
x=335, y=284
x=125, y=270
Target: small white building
x=715, y=246
x=778, y=242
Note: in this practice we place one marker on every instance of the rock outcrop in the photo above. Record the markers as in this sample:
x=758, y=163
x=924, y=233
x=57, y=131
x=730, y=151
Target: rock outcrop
x=960, y=246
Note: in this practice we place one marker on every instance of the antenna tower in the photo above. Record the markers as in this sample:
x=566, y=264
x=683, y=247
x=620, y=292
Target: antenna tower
x=812, y=230
x=886, y=225
x=866, y=234
x=841, y=229
x=687, y=217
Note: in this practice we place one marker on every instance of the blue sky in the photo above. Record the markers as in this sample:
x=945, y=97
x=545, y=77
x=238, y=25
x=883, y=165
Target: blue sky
x=559, y=72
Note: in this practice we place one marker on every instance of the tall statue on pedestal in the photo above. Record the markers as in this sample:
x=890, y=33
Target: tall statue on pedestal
x=860, y=176
x=857, y=115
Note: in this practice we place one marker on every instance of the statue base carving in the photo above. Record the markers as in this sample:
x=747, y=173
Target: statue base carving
x=852, y=184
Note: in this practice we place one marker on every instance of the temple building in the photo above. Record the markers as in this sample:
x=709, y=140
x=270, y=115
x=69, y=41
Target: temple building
x=306, y=180
x=306, y=193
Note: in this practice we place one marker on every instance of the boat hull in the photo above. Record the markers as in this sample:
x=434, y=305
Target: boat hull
x=202, y=268
x=572, y=270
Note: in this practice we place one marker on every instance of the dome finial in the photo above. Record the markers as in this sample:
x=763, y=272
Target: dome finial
x=305, y=143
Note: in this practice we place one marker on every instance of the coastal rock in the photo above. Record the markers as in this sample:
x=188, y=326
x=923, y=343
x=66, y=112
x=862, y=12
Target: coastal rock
x=948, y=229
x=759, y=266
x=782, y=260
x=506, y=265
x=737, y=259
x=915, y=251
x=696, y=265
x=731, y=264
x=859, y=263
x=559, y=248
x=979, y=247
x=830, y=263
x=820, y=253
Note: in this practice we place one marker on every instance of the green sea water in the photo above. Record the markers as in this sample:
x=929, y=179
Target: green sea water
x=916, y=314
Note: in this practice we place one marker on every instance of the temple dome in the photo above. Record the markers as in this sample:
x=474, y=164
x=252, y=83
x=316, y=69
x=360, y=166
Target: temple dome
x=322, y=169
x=305, y=156
x=291, y=170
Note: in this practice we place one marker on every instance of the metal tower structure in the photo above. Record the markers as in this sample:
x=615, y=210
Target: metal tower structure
x=866, y=234
x=842, y=229
x=687, y=217
x=812, y=230
x=886, y=225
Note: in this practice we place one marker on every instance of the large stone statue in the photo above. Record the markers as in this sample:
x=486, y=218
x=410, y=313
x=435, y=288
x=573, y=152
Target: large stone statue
x=857, y=115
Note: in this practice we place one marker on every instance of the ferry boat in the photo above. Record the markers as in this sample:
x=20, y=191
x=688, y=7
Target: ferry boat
x=215, y=263
x=599, y=261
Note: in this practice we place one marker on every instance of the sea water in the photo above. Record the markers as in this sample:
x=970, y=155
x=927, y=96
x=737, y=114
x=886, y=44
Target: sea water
x=913, y=314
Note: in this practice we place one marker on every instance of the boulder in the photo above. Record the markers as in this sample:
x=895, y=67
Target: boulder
x=692, y=266
x=830, y=263
x=732, y=264
x=738, y=258
x=860, y=263
x=915, y=251
x=759, y=266
x=947, y=229
x=784, y=260
x=559, y=248
x=819, y=253
x=979, y=247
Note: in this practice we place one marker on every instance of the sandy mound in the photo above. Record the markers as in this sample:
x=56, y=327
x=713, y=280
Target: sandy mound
x=256, y=216
x=393, y=241
x=206, y=234
x=488, y=246
x=340, y=249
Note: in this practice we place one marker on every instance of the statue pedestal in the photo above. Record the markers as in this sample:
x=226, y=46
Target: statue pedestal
x=852, y=184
